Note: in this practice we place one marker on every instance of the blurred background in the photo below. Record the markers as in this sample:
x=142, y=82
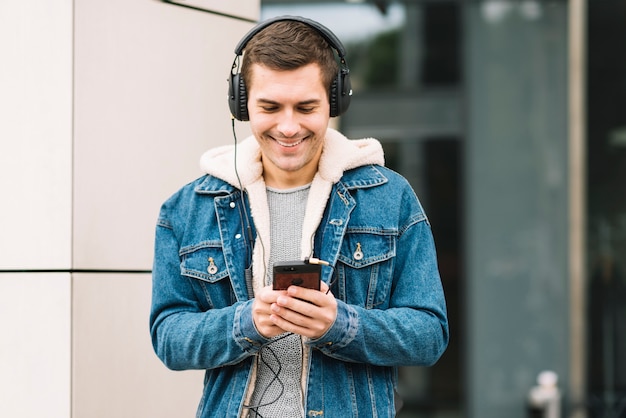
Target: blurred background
x=507, y=117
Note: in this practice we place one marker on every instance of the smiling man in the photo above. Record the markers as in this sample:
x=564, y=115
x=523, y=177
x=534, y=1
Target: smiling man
x=299, y=193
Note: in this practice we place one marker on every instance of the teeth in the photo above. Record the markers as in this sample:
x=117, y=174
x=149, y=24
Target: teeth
x=289, y=145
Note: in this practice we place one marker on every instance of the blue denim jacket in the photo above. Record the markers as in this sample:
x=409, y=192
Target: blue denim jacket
x=391, y=306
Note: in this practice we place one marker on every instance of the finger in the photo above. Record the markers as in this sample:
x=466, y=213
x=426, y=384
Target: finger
x=268, y=294
x=306, y=314
x=266, y=326
x=294, y=310
x=312, y=296
x=294, y=323
x=324, y=287
x=299, y=324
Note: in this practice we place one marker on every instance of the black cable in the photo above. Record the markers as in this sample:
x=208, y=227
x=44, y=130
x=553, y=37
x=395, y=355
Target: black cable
x=245, y=211
x=254, y=408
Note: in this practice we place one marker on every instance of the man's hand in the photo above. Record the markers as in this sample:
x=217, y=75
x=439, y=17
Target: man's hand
x=261, y=311
x=303, y=311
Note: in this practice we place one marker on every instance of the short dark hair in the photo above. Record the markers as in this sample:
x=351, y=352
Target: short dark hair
x=289, y=45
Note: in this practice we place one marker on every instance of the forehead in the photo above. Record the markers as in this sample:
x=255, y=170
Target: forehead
x=307, y=78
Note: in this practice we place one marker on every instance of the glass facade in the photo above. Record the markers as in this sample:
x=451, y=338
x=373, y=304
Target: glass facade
x=606, y=208
x=470, y=101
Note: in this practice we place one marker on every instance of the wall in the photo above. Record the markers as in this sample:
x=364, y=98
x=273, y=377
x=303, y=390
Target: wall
x=106, y=108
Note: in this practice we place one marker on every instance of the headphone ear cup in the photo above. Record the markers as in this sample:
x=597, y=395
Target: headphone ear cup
x=346, y=91
x=243, y=100
x=340, y=94
x=333, y=96
x=238, y=97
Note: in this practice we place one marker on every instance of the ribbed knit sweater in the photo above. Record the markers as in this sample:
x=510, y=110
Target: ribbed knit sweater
x=278, y=390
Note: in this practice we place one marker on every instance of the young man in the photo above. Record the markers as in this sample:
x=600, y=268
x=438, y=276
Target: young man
x=295, y=190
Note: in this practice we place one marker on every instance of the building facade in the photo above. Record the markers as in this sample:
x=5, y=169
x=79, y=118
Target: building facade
x=505, y=115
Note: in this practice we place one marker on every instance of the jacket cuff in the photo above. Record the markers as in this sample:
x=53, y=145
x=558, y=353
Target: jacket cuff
x=244, y=331
x=341, y=333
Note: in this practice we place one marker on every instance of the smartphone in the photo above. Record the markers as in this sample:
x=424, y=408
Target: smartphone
x=296, y=273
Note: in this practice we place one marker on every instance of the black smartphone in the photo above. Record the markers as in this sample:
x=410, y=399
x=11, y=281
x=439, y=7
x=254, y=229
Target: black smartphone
x=296, y=273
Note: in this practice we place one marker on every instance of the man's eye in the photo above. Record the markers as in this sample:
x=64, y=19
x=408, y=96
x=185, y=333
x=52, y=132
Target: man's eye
x=269, y=108
x=307, y=109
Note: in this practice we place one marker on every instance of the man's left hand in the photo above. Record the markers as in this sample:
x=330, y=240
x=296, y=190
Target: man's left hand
x=307, y=312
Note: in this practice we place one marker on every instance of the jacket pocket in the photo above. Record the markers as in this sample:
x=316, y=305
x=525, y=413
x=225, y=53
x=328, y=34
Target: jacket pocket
x=365, y=268
x=205, y=266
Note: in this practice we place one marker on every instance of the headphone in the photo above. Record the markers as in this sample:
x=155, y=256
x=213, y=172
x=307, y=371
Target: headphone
x=340, y=89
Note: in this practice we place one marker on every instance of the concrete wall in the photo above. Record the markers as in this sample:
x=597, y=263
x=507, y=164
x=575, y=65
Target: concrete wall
x=106, y=107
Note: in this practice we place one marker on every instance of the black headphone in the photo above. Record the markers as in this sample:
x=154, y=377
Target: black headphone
x=340, y=90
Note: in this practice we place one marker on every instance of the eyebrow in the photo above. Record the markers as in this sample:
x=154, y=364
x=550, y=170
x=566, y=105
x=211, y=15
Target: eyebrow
x=304, y=102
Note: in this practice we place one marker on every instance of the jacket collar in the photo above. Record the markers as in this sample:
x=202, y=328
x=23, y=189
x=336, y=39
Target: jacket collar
x=339, y=154
x=369, y=176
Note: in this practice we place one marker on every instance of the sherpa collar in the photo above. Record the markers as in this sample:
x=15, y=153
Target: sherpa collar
x=338, y=155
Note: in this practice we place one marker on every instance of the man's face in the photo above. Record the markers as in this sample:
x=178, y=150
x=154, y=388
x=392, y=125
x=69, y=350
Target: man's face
x=289, y=114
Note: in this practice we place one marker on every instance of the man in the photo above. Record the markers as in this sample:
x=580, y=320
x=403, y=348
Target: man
x=295, y=190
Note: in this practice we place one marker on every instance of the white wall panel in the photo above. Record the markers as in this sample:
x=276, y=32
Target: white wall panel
x=35, y=134
x=115, y=370
x=150, y=97
x=35, y=352
x=247, y=9
x=106, y=107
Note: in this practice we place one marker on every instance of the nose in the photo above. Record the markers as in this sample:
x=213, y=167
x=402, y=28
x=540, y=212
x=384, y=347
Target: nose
x=288, y=124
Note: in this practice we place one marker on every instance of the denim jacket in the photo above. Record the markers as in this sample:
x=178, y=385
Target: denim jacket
x=366, y=222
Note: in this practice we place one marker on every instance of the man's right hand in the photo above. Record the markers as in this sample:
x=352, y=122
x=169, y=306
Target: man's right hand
x=261, y=311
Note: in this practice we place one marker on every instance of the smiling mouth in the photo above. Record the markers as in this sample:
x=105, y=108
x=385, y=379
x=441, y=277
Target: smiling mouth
x=290, y=145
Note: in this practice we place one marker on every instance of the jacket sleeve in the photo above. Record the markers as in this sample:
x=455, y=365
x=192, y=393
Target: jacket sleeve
x=413, y=330
x=184, y=334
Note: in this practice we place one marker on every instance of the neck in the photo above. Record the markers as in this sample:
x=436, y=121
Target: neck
x=280, y=179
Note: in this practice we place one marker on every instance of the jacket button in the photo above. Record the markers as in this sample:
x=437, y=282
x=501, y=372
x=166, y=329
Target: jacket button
x=212, y=269
x=232, y=205
x=358, y=254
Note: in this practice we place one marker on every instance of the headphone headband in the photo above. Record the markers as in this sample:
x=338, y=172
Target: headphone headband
x=330, y=37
